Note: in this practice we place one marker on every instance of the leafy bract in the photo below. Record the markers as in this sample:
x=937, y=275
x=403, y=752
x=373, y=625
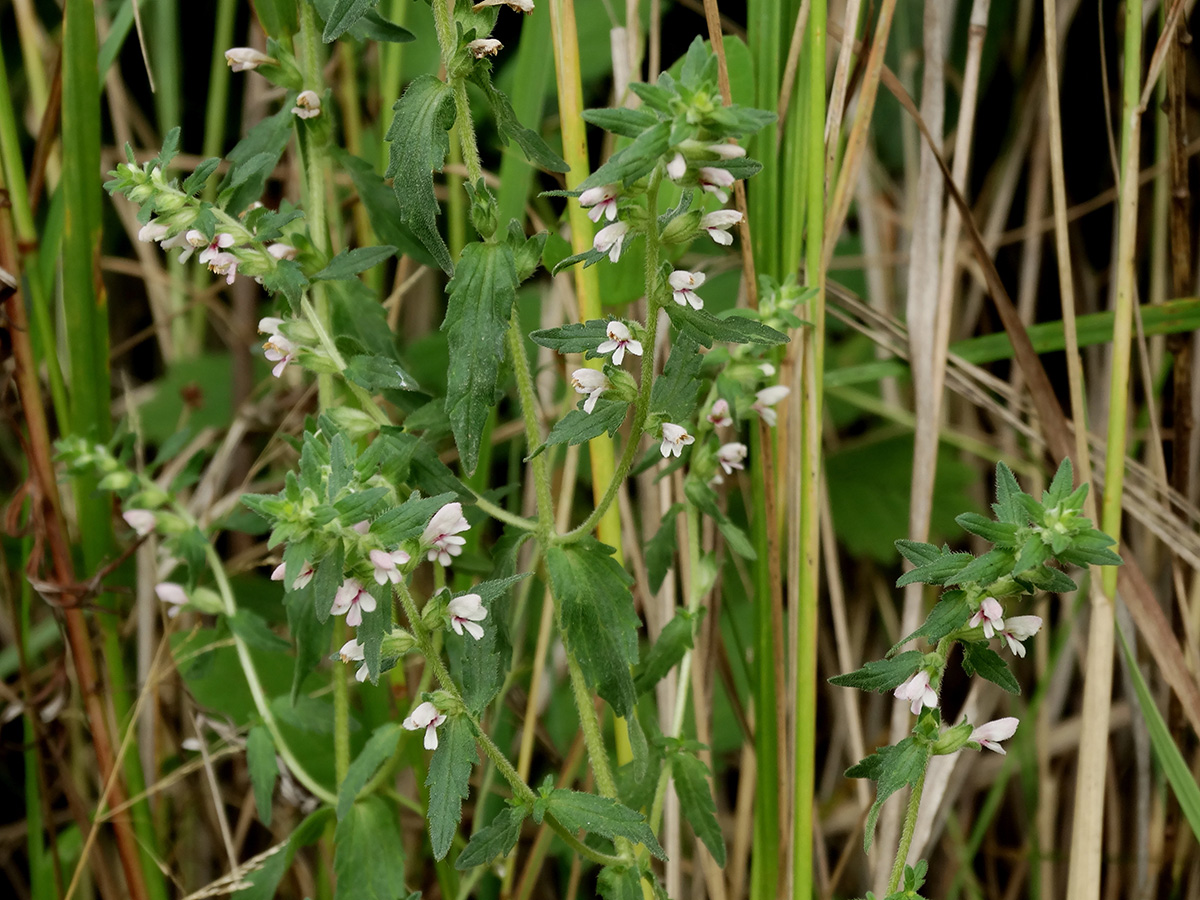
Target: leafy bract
x=948, y=614
x=704, y=328
x=696, y=802
x=493, y=840
x=881, y=674
x=577, y=337
x=350, y=263
x=579, y=427
x=449, y=781
x=604, y=816
x=675, y=392
x=891, y=768
x=979, y=659
x=481, y=292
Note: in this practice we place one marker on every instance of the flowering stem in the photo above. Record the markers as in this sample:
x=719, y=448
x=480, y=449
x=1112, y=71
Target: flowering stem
x=533, y=432
x=906, y=835
x=341, y=714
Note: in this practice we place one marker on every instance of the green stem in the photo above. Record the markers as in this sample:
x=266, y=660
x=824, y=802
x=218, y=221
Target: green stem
x=906, y=834
x=341, y=714
x=589, y=723
x=503, y=515
x=533, y=431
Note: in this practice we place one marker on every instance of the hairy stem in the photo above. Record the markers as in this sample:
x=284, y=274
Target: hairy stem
x=906, y=834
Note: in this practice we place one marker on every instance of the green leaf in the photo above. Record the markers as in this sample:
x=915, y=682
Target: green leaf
x=330, y=572
x=882, y=674
x=342, y=16
x=408, y=519
x=579, y=427
x=287, y=278
x=485, y=661
x=535, y=149
x=260, y=758
x=449, y=781
x=527, y=252
x=676, y=391
x=264, y=882
x=948, y=614
x=200, y=175
x=604, y=816
x=660, y=551
x=1049, y=579
x=1033, y=553
x=705, y=498
x=619, y=884
x=578, y=337
x=493, y=840
x=937, y=571
x=1008, y=506
x=377, y=373
x=696, y=802
x=375, y=752
x=985, y=569
x=310, y=635
x=704, y=328
x=349, y=263
x=919, y=553
x=383, y=209
x=599, y=622
x=623, y=121
x=632, y=162
x=481, y=296
x=979, y=659
x=674, y=640
x=254, y=630
x=1002, y=533
x=891, y=768
x=420, y=141
x=368, y=855
x=374, y=27
x=252, y=161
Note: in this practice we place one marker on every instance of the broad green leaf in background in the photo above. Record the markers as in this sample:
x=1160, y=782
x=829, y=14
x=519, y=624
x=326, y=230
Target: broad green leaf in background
x=350, y=263
x=619, y=884
x=420, y=141
x=673, y=641
x=481, y=296
x=599, y=622
x=260, y=759
x=380, y=746
x=449, y=781
x=263, y=882
x=696, y=802
x=368, y=856
x=660, y=550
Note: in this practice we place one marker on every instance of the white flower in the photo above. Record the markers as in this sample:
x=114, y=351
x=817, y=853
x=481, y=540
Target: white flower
x=387, y=565
x=428, y=717
x=768, y=397
x=281, y=250
x=142, y=521
x=674, y=439
x=441, y=534
x=352, y=600
x=677, y=167
x=152, y=231
x=991, y=733
x=602, y=200
x=361, y=527
x=1019, y=628
x=619, y=340
x=917, y=690
x=767, y=369
x=715, y=180
x=191, y=241
x=308, y=105
x=353, y=651
x=173, y=595
x=224, y=264
x=525, y=6
x=683, y=287
x=990, y=614
x=484, y=47
x=246, y=59
x=277, y=348
x=465, y=612
x=303, y=577
x=726, y=151
x=719, y=414
x=220, y=241
x=718, y=223
x=732, y=456
x=610, y=239
x=590, y=382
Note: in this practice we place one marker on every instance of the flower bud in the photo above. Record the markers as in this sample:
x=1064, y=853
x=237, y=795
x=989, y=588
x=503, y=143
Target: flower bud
x=952, y=739
x=207, y=601
x=116, y=481
x=682, y=228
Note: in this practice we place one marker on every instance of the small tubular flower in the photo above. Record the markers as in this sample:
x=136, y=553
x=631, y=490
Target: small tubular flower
x=917, y=691
x=601, y=202
x=991, y=615
x=303, y=577
x=732, y=456
x=277, y=348
x=590, y=382
x=768, y=397
x=427, y=717
x=523, y=6
x=1017, y=629
x=726, y=150
x=683, y=287
x=482, y=47
x=247, y=59
x=715, y=181
x=674, y=439
x=991, y=733
x=719, y=414
x=352, y=600
x=151, y=232
x=677, y=167
x=353, y=651
x=220, y=241
x=718, y=223
x=224, y=264
x=280, y=250
x=173, y=595
x=387, y=565
x=308, y=105
x=611, y=238
x=619, y=340
x=465, y=612
x=142, y=521
x=441, y=534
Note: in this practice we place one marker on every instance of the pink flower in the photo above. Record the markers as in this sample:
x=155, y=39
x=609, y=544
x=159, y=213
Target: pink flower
x=352, y=600
x=768, y=397
x=142, y=521
x=465, y=612
x=732, y=456
x=387, y=565
x=603, y=202
x=484, y=47
x=353, y=651
x=715, y=180
x=173, y=595
x=277, y=349
x=428, y=717
x=719, y=414
x=1017, y=629
x=280, y=250
x=991, y=733
x=303, y=577
x=220, y=241
x=224, y=264
x=152, y=231
x=683, y=287
x=619, y=340
x=718, y=223
x=726, y=150
x=441, y=534
x=611, y=238
x=917, y=690
x=991, y=615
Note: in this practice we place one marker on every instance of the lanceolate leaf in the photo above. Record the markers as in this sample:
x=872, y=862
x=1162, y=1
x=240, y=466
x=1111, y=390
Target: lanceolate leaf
x=535, y=149
x=660, y=551
x=419, y=139
x=449, y=781
x=696, y=802
x=343, y=15
x=625, y=122
x=603, y=816
x=578, y=337
x=948, y=614
x=979, y=659
x=676, y=391
x=481, y=292
x=374, y=753
x=349, y=263
x=383, y=209
x=891, y=768
x=881, y=674
x=493, y=840
x=260, y=758
x=579, y=427
x=634, y=161
x=368, y=856
x=598, y=618
x=619, y=884
x=705, y=328
x=485, y=661
x=674, y=640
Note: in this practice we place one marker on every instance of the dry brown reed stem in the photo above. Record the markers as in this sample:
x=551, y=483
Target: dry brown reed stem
x=789, y=72
x=46, y=515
